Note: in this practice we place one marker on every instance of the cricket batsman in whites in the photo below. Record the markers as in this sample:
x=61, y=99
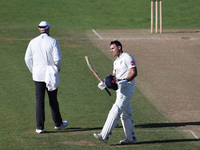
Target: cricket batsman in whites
x=123, y=81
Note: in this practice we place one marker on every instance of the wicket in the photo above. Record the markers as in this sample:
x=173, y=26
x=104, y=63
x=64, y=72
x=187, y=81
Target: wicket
x=156, y=15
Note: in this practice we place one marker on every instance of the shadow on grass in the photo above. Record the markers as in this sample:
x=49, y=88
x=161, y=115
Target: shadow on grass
x=149, y=125
x=74, y=129
x=77, y=129
x=163, y=125
x=161, y=141
x=168, y=141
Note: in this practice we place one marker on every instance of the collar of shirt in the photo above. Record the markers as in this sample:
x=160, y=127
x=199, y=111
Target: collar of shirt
x=121, y=56
x=44, y=33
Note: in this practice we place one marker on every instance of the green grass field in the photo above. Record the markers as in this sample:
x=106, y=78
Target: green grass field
x=81, y=102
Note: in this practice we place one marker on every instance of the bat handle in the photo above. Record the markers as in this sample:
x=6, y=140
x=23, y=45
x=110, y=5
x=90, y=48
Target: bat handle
x=108, y=91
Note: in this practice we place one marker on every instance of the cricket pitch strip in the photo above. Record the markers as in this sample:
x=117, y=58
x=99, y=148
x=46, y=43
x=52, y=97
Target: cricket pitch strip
x=168, y=69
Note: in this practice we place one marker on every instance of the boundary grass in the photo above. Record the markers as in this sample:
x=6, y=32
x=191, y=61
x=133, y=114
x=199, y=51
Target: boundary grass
x=81, y=103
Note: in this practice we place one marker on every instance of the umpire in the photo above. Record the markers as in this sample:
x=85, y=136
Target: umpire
x=44, y=51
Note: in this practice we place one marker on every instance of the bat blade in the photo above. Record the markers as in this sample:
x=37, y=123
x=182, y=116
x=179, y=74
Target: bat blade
x=91, y=67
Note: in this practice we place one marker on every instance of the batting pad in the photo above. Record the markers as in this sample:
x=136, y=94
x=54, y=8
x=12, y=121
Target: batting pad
x=111, y=122
x=128, y=125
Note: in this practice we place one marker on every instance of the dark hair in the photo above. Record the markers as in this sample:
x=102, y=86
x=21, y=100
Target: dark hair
x=117, y=43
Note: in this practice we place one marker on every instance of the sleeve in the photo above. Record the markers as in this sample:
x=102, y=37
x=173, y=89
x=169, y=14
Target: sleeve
x=58, y=64
x=29, y=58
x=130, y=61
x=57, y=57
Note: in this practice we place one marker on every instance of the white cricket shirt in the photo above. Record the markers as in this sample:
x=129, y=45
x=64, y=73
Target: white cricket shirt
x=42, y=51
x=122, y=65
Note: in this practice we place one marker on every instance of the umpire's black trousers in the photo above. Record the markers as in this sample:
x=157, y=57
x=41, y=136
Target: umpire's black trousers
x=40, y=105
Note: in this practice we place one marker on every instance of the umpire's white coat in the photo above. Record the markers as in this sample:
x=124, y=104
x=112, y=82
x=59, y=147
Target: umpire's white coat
x=41, y=52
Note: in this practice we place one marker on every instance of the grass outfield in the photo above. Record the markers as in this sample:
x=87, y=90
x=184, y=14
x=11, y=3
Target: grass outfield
x=81, y=102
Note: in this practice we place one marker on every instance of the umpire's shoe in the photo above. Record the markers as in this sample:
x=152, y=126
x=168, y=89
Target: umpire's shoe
x=64, y=124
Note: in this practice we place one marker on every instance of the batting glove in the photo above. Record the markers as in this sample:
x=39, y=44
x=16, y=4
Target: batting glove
x=122, y=83
x=102, y=85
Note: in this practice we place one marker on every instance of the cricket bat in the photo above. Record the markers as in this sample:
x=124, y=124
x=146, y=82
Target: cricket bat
x=91, y=67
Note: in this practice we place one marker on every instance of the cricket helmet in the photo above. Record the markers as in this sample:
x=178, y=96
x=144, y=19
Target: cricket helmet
x=110, y=82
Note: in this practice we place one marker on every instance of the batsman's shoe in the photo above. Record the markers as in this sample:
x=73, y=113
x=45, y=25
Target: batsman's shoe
x=126, y=141
x=39, y=131
x=64, y=124
x=99, y=137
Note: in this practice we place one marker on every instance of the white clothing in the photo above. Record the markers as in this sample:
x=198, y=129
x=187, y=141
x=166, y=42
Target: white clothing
x=121, y=109
x=41, y=52
x=51, y=78
x=122, y=106
x=122, y=65
x=102, y=85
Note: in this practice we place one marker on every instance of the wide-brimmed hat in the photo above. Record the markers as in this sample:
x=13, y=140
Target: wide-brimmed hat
x=44, y=25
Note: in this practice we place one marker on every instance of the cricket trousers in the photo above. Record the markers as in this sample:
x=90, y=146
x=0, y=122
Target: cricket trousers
x=40, y=105
x=121, y=109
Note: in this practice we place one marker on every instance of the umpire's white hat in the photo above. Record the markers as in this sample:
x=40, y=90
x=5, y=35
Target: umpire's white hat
x=44, y=25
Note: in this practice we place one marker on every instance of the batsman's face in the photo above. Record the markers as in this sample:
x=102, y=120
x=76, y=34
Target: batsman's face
x=115, y=50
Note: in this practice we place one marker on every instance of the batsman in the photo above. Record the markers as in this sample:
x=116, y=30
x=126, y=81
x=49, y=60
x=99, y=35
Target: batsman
x=123, y=81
